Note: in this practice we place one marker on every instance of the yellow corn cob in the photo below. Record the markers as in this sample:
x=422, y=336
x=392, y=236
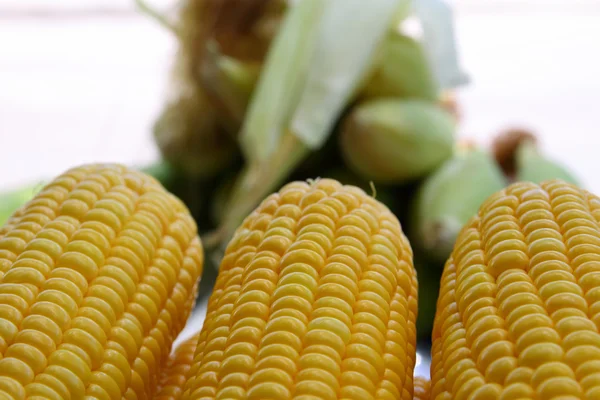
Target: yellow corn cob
x=97, y=277
x=518, y=312
x=173, y=377
x=422, y=388
x=315, y=299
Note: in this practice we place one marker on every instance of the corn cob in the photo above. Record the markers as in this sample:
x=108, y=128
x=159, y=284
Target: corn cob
x=173, y=377
x=517, y=316
x=316, y=298
x=98, y=274
x=422, y=387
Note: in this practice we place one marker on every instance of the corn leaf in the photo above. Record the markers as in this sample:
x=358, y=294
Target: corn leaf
x=281, y=80
x=439, y=40
x=350, y=33
x=319, y=58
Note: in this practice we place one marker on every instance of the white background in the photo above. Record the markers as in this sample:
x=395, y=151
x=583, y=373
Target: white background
x=77, y=87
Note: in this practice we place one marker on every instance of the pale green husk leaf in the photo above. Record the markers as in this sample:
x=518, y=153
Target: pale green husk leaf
x=318, y=60
x=280, y=83
x=533, y=166
x=351, y=32
x=451, y=196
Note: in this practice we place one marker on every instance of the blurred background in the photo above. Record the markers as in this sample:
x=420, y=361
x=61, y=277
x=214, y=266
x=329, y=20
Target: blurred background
x=85, y=81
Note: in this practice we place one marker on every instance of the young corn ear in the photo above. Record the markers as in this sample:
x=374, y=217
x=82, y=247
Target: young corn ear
x=518, y=153
x=98, y=275
x=396, y=141
x=402, y=71
x=517, y=316
x=302, y=90
x=447, y=199
x=316, y=298
x=533, y=166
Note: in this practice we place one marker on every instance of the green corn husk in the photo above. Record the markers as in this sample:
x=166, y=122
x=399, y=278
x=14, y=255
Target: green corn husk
x=403, y=71
x=347, y=48
x=281, y=81
x=517, y=152
x=396, y=141
x=303, y=89
x=436, y=18
x=533, y=166
x=447, y=199
x=189, y=137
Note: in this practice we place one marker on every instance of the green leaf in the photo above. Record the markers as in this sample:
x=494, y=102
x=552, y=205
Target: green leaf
x=318, y=60
x=439, y=40
x=322, y=54
x=280, y=83
x=350, y=33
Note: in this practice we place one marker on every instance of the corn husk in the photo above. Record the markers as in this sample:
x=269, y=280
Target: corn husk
x=403, y=71
x=302, y=91
x=518, y=152
x=436, y=19
x=534, y=166
x=281, y=81
x=350, y=36
x=449, y=197
x=396, y=141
